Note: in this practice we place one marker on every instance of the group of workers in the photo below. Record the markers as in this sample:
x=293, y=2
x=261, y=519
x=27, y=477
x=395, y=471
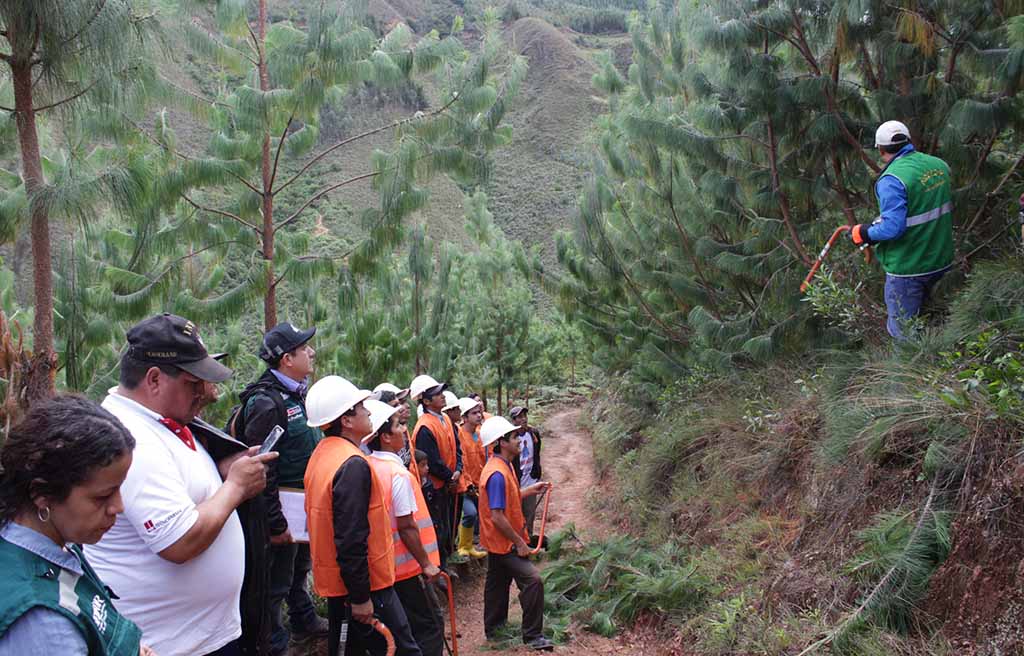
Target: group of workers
x=135, y=523
x=134, y=527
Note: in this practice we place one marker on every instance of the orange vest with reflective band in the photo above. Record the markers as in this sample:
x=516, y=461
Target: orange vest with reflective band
x=445, y=438
x=472, y=456
x=330, y=454
x=406, y=565
x=490, y=537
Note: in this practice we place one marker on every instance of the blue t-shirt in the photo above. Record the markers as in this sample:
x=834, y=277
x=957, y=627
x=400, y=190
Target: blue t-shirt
x=496, y=491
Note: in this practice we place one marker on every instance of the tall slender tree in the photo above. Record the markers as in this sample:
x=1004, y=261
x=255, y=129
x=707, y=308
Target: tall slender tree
x=266, y=142
x=62, y=55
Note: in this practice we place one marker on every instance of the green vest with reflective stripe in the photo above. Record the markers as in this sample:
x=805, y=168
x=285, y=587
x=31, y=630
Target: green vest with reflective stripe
x=927, y=245
x=30, y=581
x=296, y=445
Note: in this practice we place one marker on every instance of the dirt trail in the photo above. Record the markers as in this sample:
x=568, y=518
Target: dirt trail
x=568, y=461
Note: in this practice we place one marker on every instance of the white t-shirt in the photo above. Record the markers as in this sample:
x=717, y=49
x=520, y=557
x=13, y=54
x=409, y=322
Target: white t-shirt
x=403, y=499
x=526, y=460
x=187, y=609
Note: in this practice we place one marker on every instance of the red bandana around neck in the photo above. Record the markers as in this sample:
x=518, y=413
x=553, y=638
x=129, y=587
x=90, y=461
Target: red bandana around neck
x=183, y=433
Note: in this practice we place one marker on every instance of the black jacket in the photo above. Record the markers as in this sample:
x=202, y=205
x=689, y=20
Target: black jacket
x=427, y=443
x=350, y=498
x=259, y=419
x=255, y=601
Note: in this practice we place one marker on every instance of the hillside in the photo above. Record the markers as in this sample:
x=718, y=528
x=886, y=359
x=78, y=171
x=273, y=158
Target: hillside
x=536, y=178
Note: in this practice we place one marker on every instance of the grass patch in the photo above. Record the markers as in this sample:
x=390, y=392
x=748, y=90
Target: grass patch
x=608, y=584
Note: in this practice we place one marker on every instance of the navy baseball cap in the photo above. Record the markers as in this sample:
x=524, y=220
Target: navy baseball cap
x=170, y=339
x=283, y=338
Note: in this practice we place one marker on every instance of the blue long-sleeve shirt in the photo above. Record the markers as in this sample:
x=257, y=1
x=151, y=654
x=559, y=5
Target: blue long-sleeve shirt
x=892, y=203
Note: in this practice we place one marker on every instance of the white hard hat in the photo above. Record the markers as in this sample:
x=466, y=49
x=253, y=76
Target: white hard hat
x=494, y=429
x=380, y=413
x=421, y=384
x=388, y=387
x=450, y=401
x=466, y=404
x=329, y=398
x=891, y=133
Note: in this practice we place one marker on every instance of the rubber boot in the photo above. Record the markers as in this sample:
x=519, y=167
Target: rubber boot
x=466, y=547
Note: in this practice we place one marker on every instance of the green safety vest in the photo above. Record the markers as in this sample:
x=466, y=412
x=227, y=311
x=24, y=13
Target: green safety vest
x=296, y=445
x=927, y=245
x=30, y=581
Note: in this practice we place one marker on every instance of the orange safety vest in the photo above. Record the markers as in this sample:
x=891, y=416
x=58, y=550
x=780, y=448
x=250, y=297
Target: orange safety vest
x=445, y=438
x=406, y=565
x=490, y=537
x=330, y=454
x=472, y=456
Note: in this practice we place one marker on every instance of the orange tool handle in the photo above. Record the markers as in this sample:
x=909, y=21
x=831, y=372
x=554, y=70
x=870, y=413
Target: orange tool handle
x=543, y=521
x=379, y=627
x=451, y=613
x=824, y=253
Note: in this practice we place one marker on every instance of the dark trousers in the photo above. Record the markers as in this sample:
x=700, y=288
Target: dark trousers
x=362, y=638
x=424, y=618
x=440, y=507
x=501, y=571
x=289, y=573
x=455, y=518
x=530, y=511
x=230, y=649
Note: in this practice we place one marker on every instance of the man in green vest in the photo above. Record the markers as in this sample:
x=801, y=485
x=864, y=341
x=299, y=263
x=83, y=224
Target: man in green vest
x=914, y=232
x=278, y=398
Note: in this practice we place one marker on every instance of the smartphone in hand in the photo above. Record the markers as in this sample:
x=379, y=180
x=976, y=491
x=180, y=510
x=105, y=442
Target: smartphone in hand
x=271, y=441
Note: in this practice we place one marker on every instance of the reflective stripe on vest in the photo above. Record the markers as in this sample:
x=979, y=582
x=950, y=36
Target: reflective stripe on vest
x=930, y=215
x=406, y=565
x=330, y=454
x=444, y=436
x=926, y=246
x=31, y=582
x=490, y=537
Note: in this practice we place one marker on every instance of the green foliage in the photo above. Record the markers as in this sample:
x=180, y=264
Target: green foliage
x=898, y=556
x=467, y=317
x=990, y=365
x=736, y=142
x=608, y=584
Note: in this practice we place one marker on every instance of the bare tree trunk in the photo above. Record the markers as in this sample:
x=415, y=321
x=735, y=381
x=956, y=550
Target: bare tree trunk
x=270, y=298
x=40, y=383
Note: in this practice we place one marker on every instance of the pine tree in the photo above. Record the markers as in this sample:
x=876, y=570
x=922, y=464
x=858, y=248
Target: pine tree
x=266, y=141
x=742, y=136
x=62, y=55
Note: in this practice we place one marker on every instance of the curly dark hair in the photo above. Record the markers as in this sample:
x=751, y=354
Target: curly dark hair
x=58, y=445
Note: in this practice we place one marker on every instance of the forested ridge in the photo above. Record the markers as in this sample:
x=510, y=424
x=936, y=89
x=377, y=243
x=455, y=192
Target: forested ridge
x=604, y=199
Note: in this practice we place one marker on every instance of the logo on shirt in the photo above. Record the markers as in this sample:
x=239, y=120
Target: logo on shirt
x=99, y=613
x=294, y=412
x=148, y=525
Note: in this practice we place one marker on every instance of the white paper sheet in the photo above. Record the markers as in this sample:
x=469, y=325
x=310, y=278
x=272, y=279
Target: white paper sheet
x=293, y=504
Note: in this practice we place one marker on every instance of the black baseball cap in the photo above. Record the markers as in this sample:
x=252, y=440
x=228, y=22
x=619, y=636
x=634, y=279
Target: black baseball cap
x=281, y=339
x=516, y=411
x=170, y=339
